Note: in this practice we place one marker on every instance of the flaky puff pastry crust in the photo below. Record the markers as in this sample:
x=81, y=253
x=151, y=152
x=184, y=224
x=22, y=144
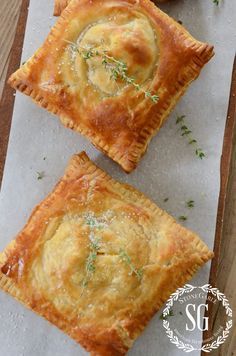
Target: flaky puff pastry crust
x=160, y=54
x=142, y=256
x=60, y=5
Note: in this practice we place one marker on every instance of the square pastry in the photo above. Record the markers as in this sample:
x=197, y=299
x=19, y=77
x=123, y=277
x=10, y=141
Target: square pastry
x=98, y=259
x=113, y=70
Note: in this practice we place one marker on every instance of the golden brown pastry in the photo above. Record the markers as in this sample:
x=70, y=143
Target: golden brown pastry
x=102, y=67
x=98, y=259
x=60, y=5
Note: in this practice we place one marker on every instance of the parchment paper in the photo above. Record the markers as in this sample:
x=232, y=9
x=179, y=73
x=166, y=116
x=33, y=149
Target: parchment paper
x=170, y=169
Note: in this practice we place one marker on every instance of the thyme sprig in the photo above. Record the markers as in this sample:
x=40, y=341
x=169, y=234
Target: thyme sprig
x=95, y=243
x=186, y=132
x=126, y=259
x=90, y=262
x=94, y=224
x=217, y=2
x=117, y=68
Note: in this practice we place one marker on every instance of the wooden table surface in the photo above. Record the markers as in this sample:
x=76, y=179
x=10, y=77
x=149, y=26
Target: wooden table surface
x=226, y=275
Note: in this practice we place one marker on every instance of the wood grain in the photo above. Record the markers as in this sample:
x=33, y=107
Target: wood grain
x=13, y=15
x=223, y=268
x=9, y=13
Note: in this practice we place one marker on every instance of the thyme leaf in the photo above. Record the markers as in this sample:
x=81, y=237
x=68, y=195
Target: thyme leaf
x=126, y=259
x=171, y=313
x=180, y=119
x=190, y=203
x=40, y=175
x=199, y=153
x=183, y=218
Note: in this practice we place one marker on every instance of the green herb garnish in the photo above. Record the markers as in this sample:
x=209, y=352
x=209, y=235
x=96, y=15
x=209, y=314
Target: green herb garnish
x=200, y=153
x=126, y=258
x=216, y=2
x=192, y=141
x=186, y=132
x=171, y=313
x=90, y=262
x=183, y=218
x=41, y=175
x=117, y=68
x=165, y=200
x=190, y=203
x=180, y=119
x=94, y=223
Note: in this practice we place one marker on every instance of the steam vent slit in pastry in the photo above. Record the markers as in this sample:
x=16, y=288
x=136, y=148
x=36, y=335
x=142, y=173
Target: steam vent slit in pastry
x=113, y=70
x=98, y=259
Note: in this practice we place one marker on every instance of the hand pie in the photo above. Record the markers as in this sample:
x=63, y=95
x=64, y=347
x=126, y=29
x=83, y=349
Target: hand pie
x=60, y=5
x=103, y=66
x=98, y=259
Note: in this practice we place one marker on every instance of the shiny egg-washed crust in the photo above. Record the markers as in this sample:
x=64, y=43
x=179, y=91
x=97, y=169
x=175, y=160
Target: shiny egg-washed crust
x=60, y=5
x=45, y=266
x=119, y=120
